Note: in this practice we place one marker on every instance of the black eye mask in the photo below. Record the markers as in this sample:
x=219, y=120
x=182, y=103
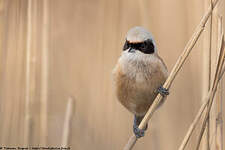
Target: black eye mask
x=146, y=47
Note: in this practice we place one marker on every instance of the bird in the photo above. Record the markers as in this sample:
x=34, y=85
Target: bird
x=139, y=75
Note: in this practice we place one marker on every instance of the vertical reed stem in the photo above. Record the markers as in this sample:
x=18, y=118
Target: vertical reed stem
x=219, y=119
x=207, y=69
x=28, y=76
x=44, y=74
x=217, y=75
x=67, y=122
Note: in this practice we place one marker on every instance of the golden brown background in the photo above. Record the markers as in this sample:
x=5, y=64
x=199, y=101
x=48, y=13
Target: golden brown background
x=55, y=49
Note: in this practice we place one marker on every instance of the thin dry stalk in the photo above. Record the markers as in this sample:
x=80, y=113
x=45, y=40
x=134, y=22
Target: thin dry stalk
x=206, y=75
x=223, y=70
x=28, y=75
x=67, y=122
x=219, y=119
x=44, y=74
x=209, y=96
x=194, y=123
x=173, y=74
x=216, y=79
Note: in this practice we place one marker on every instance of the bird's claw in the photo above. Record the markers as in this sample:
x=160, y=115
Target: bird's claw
x=138, y=132
x=163, y=91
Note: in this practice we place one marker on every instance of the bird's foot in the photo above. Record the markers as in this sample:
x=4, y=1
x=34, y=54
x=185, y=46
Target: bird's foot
x=163, y=91
x=138, y=132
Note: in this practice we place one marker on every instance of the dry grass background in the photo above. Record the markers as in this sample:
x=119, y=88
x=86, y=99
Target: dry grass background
x=84, y=41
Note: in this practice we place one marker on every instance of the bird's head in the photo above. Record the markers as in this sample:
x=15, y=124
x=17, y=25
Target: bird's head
x=139, y=39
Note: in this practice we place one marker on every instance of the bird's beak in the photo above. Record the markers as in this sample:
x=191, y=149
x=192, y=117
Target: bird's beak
x=131, y=50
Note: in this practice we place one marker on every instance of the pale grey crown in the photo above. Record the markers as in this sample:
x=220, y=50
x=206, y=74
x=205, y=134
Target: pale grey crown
x=139, y=34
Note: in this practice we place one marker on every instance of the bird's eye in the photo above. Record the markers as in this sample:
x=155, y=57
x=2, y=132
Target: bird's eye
x=126, y=46
x=147, y=47
x=151, y=46
x=143, y=46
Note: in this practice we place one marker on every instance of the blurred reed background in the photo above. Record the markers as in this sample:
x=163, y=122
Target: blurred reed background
x=56, y=58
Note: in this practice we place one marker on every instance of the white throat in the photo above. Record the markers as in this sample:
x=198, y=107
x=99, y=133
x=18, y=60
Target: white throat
x=133, y=63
